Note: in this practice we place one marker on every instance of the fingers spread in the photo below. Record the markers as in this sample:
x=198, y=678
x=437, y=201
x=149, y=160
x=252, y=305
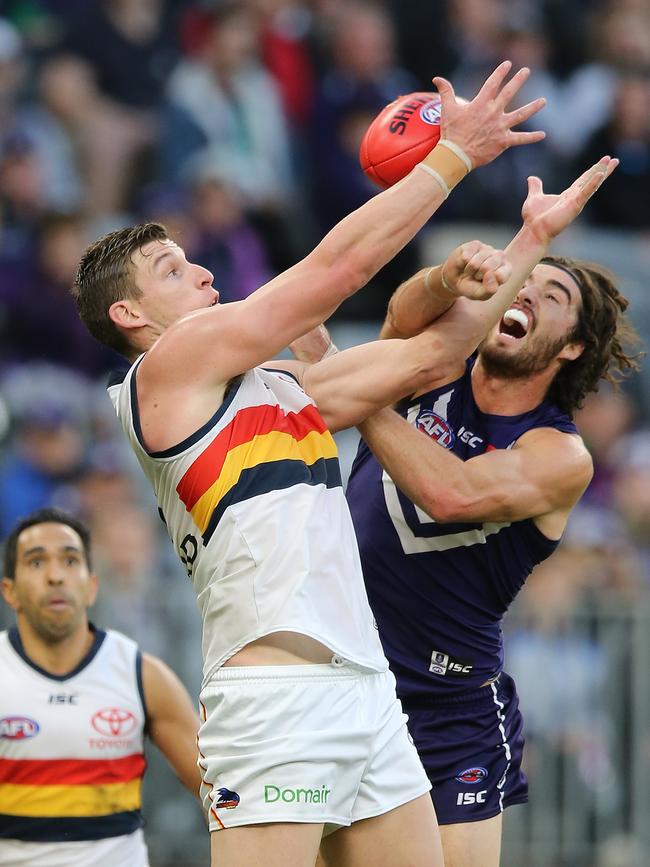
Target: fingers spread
x=512, y=87
x=494, y=81
x=522, y=138
x=445, y=89
x=522, y=114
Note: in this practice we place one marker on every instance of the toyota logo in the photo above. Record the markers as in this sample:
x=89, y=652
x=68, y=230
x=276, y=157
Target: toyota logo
x=113, y=721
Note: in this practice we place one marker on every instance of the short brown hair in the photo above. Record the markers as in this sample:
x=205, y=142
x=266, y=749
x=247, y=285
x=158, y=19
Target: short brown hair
x=602, y=328
x=105, y=275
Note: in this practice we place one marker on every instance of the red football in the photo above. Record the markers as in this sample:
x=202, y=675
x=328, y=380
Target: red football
x=399, y=137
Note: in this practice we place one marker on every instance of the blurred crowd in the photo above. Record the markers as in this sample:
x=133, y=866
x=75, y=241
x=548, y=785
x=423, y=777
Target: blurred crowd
x=237, y=123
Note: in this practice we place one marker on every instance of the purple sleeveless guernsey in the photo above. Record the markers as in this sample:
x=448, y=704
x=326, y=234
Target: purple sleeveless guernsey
x=439, y=591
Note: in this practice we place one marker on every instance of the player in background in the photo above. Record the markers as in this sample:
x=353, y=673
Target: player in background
x=75, y=705
x=458, y=494
x=302, y=734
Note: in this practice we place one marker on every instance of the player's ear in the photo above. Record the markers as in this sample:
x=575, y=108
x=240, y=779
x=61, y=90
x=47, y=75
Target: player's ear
x=7, y=586
x=92, y=589
x=571, y=351
x=125, y=314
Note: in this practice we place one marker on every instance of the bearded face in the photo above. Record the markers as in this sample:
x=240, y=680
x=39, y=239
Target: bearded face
x=538, y=329
x=530, y=358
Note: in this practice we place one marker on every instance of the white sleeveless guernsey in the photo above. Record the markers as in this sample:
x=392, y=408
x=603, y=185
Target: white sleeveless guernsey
x=255, y=509
x=72, y=757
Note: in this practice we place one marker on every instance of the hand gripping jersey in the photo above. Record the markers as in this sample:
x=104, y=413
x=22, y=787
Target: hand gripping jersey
x=71, y=754
x=255, y=509
x=439, y=591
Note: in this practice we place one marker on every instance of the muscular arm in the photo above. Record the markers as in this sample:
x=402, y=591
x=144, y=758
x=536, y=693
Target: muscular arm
x=473, y=270
x=172, y=721
x=351, y=385
x=210, y=346
x=543, y=475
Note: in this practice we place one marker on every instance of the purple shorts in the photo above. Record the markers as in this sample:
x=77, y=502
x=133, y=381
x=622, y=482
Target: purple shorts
x=471, y=747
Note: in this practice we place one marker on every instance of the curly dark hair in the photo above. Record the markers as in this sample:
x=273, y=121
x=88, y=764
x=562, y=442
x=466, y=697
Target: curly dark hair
x=602, y=327
x=105, y=275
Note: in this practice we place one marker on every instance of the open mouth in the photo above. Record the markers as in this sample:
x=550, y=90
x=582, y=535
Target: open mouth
x=515, y=324
x=57, y=603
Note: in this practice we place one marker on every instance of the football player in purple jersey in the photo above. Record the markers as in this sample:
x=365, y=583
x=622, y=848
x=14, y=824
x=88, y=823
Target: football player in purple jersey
x=458, y=493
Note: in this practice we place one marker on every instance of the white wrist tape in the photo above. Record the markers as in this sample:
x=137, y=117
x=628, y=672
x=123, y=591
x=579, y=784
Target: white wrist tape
x=456, y=149
x=439, y=178
x=331, y=350
x=446, y=285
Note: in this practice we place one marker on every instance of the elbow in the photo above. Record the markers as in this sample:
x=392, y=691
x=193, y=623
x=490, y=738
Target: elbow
x=433, y=362
x=353, y=270
x=447, y=505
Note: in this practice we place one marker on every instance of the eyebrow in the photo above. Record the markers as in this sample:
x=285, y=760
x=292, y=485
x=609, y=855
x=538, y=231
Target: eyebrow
x=557, y=285
x=159, y=258
x=40, y=549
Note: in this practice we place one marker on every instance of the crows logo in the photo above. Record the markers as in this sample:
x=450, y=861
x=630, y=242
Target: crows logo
x=472, y=775
x=227, y=799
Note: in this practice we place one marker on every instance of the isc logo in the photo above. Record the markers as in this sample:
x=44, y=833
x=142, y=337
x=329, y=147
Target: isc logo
x=466, y=436
x=465, y=798
x=459, y=668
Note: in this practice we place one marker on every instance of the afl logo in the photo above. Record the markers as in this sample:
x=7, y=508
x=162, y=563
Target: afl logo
x=18, y=728
x=113, y=722
x=472, y=775
x=430, y=113
x=435, y=427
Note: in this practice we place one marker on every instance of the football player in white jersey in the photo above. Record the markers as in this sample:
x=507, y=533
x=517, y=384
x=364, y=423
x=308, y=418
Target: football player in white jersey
x=75, y=702
x=302, y=735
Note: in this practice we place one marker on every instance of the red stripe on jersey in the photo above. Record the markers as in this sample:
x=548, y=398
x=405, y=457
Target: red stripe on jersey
x=248, y=423
x=57, y=772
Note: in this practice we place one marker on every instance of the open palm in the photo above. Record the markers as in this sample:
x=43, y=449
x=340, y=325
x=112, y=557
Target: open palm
x=547, y=215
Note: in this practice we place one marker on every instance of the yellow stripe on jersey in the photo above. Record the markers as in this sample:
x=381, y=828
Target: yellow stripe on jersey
x=69, y=801
x=274, y=446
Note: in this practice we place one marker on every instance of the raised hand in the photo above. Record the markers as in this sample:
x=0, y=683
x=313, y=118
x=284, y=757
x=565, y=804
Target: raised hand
x=483, y=127
x=547, y=215
x=475, y=270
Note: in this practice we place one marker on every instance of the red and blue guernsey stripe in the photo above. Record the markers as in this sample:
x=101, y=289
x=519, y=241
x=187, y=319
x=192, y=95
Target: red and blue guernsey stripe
x=70, y=799
x=262, y=449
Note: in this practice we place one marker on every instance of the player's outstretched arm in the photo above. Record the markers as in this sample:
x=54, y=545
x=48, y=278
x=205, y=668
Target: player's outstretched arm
x=353, y=384
x=237, y=336
x=172, y=722
x=474, y=270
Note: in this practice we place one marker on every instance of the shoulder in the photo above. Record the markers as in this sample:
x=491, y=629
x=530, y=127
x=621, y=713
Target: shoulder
x=560, y=456
x=163, y=690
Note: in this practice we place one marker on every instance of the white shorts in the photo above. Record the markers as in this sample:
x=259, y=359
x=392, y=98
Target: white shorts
x=304, y=743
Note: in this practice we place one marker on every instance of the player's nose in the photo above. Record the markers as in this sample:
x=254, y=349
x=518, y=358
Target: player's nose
x=55, y=574
x=205, y=277
x=525, y=296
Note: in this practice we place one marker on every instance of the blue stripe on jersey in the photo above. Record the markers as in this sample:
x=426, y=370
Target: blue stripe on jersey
x=17, y=644
x=229, y=395
x=275, y=476
x=58, y=830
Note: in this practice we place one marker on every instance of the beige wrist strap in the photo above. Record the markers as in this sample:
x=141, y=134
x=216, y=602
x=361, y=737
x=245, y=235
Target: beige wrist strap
x=331, y=350
x=443, y=282
x=446, y=166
